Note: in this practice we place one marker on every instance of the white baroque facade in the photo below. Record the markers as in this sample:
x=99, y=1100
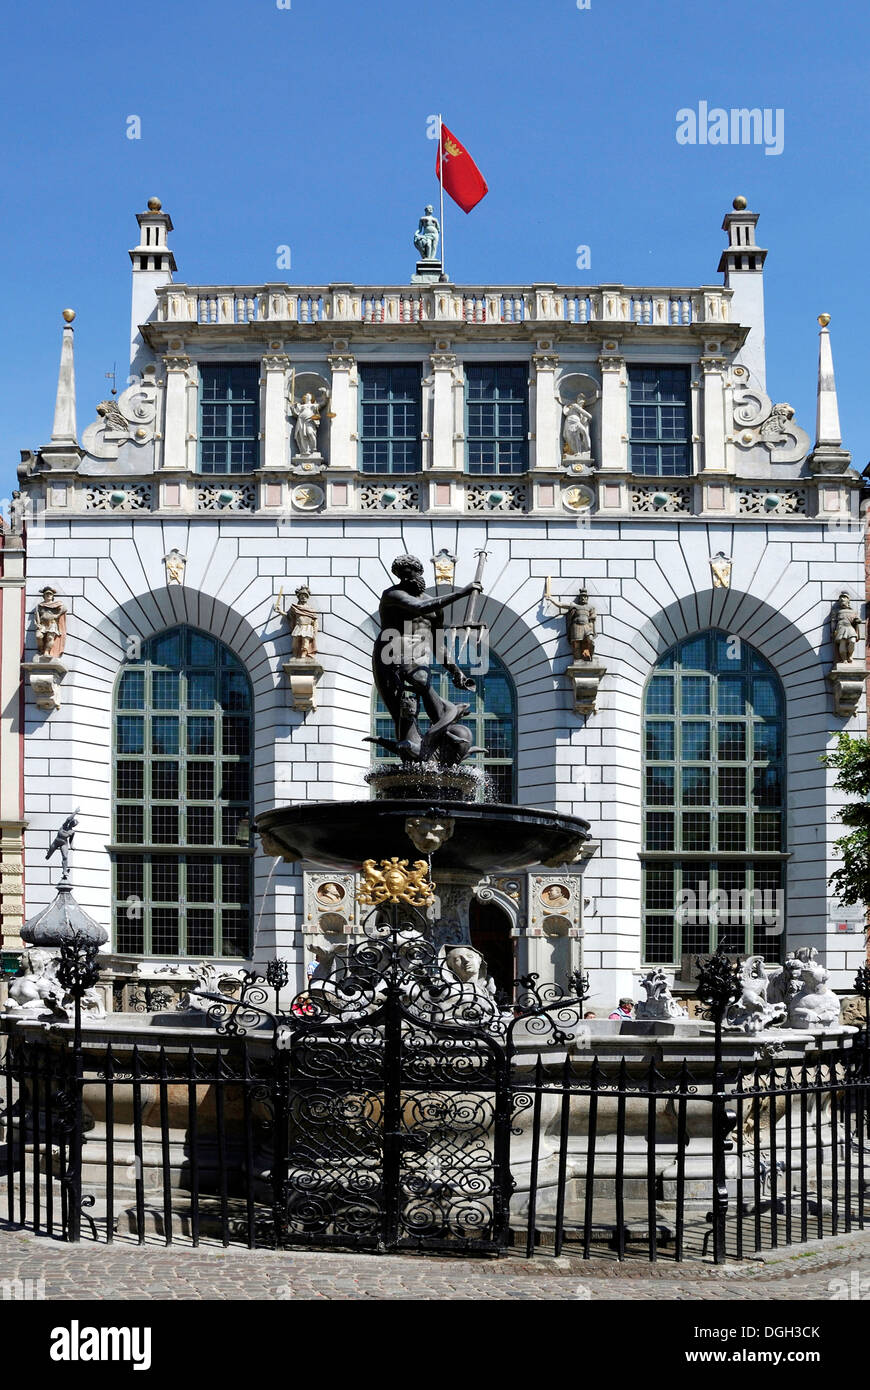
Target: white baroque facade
x=700, y=507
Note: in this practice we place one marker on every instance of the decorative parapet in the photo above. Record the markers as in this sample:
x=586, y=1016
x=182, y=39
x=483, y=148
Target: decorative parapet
x=660, y=499
x=330, y=492
x=188, y=306
x=772, y=501
x=118, y=497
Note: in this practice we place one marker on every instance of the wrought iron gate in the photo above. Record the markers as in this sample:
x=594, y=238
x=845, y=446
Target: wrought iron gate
x=396, y=1134
x=396, y=1105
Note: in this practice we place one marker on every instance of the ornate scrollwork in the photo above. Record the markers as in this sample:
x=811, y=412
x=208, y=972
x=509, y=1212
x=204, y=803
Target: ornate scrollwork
x=545, y=1011
x=77, y=969
x=235, y=1016
x=719, y=983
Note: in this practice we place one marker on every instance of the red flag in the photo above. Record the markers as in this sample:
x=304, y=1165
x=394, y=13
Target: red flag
x=461, y=178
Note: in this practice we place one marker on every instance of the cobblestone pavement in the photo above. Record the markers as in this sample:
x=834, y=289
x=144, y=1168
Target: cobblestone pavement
x=831, y=1268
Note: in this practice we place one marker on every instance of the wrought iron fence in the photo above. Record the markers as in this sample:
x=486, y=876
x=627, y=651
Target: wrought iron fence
x=392, y=1108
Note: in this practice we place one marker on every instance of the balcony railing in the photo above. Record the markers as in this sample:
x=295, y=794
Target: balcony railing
x=551, y=304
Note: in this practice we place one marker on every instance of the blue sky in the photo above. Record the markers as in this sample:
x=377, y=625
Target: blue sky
x=264, y=126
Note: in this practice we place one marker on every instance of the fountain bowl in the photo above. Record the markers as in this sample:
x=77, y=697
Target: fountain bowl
x=487, y=837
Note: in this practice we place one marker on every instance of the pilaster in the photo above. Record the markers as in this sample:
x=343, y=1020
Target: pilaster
x=175, y=429
x=713, y=367
x=546, y=413
x=614, y=410
x=443, y=409
x=275, y=367
x=343, y=434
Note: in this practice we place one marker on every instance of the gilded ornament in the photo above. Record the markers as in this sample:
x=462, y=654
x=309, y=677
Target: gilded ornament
x=395, y=882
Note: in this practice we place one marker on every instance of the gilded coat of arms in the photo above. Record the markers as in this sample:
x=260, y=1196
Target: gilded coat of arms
x=394, y=882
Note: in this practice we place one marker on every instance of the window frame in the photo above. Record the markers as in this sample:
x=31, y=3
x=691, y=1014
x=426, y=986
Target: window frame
x=498, y=438
x=227, y=811
x=391, y=439
x=232, y=405
x=659, y=440
x=684, y=857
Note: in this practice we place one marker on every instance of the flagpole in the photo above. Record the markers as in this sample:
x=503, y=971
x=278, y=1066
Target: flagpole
x=441, y=190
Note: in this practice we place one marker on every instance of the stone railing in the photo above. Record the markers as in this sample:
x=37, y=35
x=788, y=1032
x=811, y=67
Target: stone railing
x=347, y=304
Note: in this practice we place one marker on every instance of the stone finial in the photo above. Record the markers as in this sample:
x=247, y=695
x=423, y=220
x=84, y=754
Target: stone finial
x=64, y=428
x=827, y=411
x=828, y=455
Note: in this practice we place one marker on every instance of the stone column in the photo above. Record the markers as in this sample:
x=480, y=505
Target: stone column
x=343, y=431
x=614, y=410
x=175, y=412
x=275, y=367
x=546, y=451
x=443, y=409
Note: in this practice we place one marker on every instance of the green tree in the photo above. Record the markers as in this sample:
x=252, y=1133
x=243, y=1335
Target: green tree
x=851, y=758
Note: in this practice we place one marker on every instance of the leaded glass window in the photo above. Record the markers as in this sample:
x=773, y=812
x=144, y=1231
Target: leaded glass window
x=389, y=418
x=660, y=421
x=229, y=417
x=182, y=800
x=497, y=417
x=491, y=718
x=714, y=802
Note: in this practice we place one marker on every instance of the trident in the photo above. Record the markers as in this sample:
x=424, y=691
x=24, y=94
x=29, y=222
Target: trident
x=471, y=608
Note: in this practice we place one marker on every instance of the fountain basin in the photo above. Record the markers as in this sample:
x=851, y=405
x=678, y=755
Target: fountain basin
x=487, y=836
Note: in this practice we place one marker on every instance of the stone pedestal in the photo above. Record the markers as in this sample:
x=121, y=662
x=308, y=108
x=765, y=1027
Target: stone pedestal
x=579, y=465
x=303, y=676
x=585, y=678
x=428, y=273
x=45, y=675
x=847, y=682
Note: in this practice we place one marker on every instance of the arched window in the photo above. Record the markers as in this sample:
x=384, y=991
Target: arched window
x=491, y=718
x=182, y=806
x=714, y=799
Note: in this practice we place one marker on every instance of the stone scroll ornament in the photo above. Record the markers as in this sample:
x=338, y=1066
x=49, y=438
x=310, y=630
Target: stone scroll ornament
x=758, y=421
x=128, y=419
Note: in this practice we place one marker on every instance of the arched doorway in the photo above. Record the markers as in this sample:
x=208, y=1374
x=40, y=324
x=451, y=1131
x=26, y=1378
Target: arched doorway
x=490, y=930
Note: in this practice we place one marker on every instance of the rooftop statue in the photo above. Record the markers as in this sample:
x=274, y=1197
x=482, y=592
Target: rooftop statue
x=427, y=234
x=405, y=666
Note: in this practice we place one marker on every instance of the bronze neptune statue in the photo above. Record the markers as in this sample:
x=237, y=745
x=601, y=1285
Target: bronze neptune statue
x=403, y=663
